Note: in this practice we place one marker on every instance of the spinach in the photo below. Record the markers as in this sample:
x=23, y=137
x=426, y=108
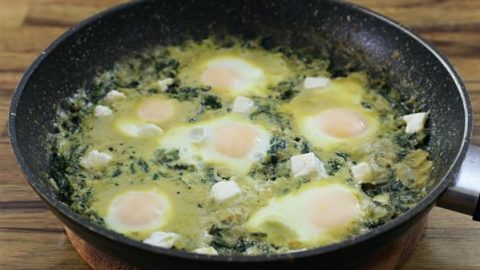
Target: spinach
x=285, y=90
x=170, y=159
x=116, y=172
x=163, y=156
x=211, y=102
x=277, y=144
x=263, y=108
x=272, y=167
x=408, y=141
x=132, y=168
x=57, y=171
x=336, y=163
x=143, y=164
x=400, y=195
x=186, y=93
x=366, y=105
x=226, y=243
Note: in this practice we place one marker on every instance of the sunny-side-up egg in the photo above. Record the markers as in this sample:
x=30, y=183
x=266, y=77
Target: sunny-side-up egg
x=230, y=71
x=138, y=210
x=333, y=115
x=150, y=116
x=232, y=141
x=319, y=213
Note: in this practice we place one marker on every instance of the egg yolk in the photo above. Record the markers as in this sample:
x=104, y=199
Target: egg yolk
x=231, y=74
x=332, y=210
x=156, y=110
x=342, y=123
x=137, y=209
x=222, y=78
x=235, y=141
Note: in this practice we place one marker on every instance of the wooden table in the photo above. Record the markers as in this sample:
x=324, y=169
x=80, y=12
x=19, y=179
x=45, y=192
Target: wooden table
x=32, y=238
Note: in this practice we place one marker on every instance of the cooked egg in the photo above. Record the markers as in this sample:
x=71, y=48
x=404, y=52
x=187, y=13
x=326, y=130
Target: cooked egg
x=231, y=140
x=232, y=74
x=231, y=71
x=149, y=117
x=341, y=123
x=138, y=211
x=320, y=213
x=334, y=115
x=156, y=110
x=338, y=125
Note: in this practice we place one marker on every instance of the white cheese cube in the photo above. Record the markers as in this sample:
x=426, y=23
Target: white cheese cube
x=206, y=237
x=95, y=160
x=165, y=83
x=149, y=130
x=415, y=122
x=114, y=95
x=362, y=172
x=101, y=111
x=206, y=251
x=162, y=239
x=315, y=82
x=224, y=190
x=197, y=134
x=242, y=105
x=306, y=164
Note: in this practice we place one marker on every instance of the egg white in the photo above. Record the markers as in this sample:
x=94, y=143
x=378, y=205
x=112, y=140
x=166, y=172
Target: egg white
x=257, y=69
x=288, y=221
x=246, y=77
x=310, y=129
x=195, y=151
x=128, y=205
x=340, y=94
x=131, y=120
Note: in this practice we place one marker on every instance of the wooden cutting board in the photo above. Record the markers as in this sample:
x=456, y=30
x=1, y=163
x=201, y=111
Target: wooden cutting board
x=31, y=237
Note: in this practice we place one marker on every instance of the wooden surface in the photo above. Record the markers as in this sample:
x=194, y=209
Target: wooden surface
x=31, y=238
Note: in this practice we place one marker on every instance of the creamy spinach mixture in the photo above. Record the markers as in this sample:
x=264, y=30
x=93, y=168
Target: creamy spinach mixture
x=229, y=148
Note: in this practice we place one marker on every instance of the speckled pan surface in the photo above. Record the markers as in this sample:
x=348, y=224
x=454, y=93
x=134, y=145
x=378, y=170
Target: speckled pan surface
x=347, y=31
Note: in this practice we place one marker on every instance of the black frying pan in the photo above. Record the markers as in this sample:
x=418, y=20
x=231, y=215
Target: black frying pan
x=357, y=39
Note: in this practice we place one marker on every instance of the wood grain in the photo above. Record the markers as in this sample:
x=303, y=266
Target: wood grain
x=32, y=238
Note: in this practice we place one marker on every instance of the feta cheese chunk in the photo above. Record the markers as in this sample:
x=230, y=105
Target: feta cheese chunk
x=197, y=134
x=242, y=105
x=206, y=251
x=149, y=130
x=362, y=172
x=114, y=95
x=415, y=122
x=224, y=190
x=165, y=83
x=101, y=111
x=162, y=239
x=95, y=160
x=305, y=164
x=315, y=82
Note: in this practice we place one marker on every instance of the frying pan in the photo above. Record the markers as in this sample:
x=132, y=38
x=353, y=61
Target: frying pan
x=355, y=39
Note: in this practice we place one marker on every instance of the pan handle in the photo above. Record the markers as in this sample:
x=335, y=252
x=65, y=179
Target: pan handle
x=464, y=193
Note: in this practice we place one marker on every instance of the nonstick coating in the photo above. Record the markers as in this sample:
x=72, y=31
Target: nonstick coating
x=346, y=31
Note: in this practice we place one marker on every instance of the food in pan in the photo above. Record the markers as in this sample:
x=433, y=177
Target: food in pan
x=229, y=148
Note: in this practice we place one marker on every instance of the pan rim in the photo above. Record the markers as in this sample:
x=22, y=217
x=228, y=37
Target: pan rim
x=424, y=203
